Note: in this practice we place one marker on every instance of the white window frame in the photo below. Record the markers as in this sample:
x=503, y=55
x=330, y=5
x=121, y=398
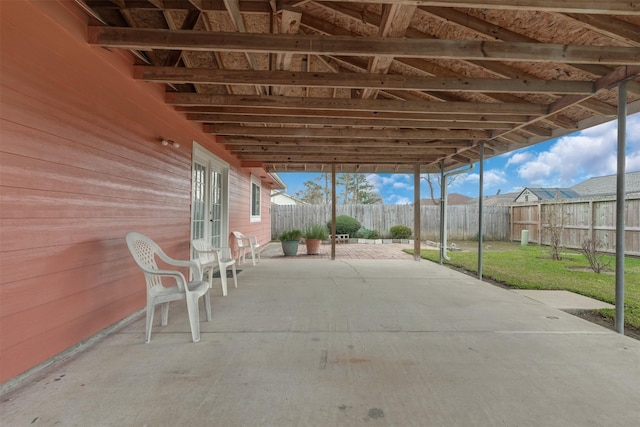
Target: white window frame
x=255, y=181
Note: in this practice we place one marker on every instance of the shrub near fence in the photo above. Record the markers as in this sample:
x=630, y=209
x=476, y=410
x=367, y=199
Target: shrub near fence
x=580, y=220
x=462, y=219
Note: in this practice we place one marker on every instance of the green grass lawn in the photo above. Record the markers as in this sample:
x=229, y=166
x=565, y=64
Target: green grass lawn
x=529, y=267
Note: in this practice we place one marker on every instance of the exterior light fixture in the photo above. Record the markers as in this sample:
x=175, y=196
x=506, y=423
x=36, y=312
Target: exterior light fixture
x=167, y=142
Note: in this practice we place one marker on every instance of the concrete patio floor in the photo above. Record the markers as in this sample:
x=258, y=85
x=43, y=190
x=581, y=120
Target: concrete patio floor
x=315, y=342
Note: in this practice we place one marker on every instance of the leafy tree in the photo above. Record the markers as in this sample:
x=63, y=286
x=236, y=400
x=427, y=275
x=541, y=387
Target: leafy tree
x=353, y=189
x=365, y=193
x=312, y=193
x=357, y=189
x=326, y=191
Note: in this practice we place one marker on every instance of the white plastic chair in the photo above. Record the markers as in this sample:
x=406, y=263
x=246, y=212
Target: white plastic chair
x=210, y=257
x=244, y=242
x=144, y=252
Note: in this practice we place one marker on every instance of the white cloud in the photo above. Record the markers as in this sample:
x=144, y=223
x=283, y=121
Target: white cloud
x=375, y=180
x=633, y=162
x=465, y=178
x=586, y=154
x=518, y=158
x=395, y=199
x=393, y=188
x=394, y=180
x=492, y=179
x=401, y=185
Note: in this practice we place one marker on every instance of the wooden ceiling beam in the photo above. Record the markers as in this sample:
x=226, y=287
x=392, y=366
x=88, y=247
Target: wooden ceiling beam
x=610, y=26
x=328, y=158
x=233, y=7
x=192, y=99
x=149, y=39
x=582, y=101
x=396, y=19
x=464, y=20
x=332, y=143
x=386, y=167
x=492, y=32
x=343, y=122
x=605, y=82
x=489, y=119
x=359, y=80
x=515, y=138
x=189, y=23
x=538, y=130
x=610, y=7
x=248, y=150
x=322, y=132
x=289, y=24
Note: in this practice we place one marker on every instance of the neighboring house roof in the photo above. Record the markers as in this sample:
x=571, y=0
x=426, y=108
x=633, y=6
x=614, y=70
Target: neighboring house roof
x=452, y=199
x=548, y=193
x=279, y=183
x=603, y=185
x=498, y=200
x=279, y=198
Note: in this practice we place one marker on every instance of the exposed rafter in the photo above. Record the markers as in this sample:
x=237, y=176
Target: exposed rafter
x=361, y=80
x=383, y=84
x=186, y=99
x=144, y=39
x=609, y=7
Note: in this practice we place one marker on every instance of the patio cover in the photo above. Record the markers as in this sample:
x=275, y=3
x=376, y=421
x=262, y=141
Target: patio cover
x=380, y=86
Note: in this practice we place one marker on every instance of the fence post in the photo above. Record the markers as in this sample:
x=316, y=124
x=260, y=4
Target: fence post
x=511, y=223
x=592, y=221
x=416, y=211
x=539, y=223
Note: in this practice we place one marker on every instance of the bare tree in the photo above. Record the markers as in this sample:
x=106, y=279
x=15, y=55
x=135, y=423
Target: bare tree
x=433, y=180
x=598, y=261
x=553, y=224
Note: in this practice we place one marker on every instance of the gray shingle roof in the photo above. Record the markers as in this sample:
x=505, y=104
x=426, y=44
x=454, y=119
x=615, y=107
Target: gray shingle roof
x=602, y=185
x=549, y=193
x=504, y=199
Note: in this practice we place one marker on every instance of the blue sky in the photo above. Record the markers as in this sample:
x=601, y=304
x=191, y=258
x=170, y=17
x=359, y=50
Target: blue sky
x=560, y=162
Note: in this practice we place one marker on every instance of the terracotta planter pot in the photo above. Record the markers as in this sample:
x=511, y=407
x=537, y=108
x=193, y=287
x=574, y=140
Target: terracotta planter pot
x=313, y=246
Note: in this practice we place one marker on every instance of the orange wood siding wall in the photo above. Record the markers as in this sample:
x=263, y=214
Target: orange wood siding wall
x=240, y=209
x=81, y=165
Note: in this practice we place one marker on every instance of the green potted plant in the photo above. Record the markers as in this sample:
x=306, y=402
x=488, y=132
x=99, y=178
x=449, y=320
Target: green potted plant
x=290, y=240
x=313, y=237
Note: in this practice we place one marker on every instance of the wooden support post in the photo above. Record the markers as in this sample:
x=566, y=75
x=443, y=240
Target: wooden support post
x=333, y=211
x=416, y=212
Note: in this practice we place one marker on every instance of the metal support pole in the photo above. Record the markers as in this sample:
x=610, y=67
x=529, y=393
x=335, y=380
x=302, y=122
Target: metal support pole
x=444, y=177
x=480, y=203
x=333, y=212
x=416, y=212
x=442, y=212
x=620, y=225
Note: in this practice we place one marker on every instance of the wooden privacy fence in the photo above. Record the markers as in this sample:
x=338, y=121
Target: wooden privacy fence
x=578, y=221
x=462, y=219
